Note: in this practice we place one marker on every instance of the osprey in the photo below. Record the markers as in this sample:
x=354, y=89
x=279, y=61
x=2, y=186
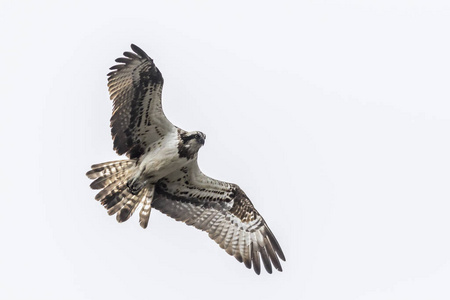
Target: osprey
x=162, y=170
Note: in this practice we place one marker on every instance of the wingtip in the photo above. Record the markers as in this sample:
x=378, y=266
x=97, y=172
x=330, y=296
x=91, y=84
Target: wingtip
x=139, y=51
x=123, y=60
x=281, y=255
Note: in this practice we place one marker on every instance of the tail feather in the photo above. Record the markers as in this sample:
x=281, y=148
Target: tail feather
x=114, y=162
x=104, y=181
x=108, y=168
x=110, y=189
x=144, y=215
x=129, y=206
x=119, y=201
x=115, y=195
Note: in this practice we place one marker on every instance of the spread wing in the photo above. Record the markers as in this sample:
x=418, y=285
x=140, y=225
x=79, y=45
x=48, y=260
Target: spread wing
x=135, y=86
x=223, y=210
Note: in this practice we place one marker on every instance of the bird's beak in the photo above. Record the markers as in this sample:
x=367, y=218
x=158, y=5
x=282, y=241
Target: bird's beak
x=202, y=138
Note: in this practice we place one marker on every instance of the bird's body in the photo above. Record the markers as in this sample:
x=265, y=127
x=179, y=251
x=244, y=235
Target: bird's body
x=162, y=170
x=161, y=159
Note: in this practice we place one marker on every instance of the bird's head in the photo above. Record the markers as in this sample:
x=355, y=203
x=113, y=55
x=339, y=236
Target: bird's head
x=190, y=143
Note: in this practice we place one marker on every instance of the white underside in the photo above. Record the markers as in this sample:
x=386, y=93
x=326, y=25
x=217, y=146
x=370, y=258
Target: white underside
x=162, y=159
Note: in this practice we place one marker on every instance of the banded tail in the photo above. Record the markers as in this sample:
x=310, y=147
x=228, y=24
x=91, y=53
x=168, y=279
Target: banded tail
x=112, y=178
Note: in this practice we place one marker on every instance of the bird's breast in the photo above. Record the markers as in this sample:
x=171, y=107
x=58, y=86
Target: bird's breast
x=161, y=159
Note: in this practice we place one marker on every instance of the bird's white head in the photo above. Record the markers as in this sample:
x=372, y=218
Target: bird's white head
x=190, y=143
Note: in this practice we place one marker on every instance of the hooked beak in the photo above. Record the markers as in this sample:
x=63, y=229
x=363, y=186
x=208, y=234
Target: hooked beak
x=201, y=138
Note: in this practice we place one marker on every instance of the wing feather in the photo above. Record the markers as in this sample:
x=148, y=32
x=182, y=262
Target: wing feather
x=255, y=258
x=135, y=87
x=224, y=211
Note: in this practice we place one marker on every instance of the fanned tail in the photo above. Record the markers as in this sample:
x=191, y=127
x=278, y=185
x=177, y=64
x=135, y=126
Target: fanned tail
x=112, y=178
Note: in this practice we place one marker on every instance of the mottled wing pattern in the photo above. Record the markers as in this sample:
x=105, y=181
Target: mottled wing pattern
x=223, y=210
x=135, y=86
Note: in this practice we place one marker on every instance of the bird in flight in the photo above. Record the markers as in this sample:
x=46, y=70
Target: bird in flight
x=161, y=171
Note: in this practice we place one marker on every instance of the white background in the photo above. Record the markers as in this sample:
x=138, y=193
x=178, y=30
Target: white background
x=333, y=116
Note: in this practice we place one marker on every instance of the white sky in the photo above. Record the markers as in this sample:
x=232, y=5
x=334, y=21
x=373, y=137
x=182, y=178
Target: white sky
x=333, y=116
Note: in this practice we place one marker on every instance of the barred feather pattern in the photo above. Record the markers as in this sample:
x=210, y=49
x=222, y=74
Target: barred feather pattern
x=224, y=211
x=111, y=178
x=246, y=242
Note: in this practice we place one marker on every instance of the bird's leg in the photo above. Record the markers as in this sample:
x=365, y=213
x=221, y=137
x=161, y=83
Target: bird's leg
x=135, y=185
